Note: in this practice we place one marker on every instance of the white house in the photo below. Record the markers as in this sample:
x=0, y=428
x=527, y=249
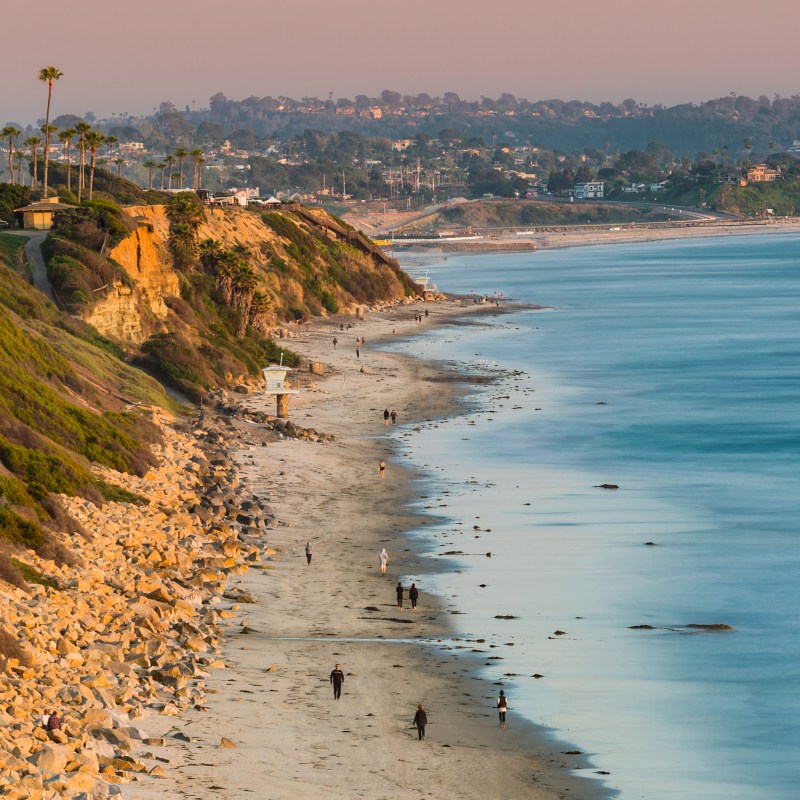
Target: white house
x=589, y=190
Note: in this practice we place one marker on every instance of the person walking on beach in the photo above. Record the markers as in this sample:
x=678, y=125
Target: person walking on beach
x=393, y=415
x=335, y=342
x=337, y=679
x=358, y=353
x=413, y=595
x=308, y=552
x=385, y=416
x=420, y=721
x=382, y=468
x=399, y=592
x=383, y=558
x=502, y=707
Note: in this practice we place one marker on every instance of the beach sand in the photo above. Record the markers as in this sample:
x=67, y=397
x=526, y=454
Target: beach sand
x=274, y=700
x=623, y=234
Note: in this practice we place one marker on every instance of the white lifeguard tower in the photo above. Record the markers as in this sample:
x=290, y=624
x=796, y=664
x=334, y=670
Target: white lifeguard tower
x=277, y=384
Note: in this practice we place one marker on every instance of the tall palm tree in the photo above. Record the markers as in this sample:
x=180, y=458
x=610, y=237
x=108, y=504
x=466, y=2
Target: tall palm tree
x=10, y=133
x=119, y=162
x=181, y=154
x=33, y=142
x=162, y=165
x=65, y=137
x=170, y=161
x=111, y=141
x=93, y=140
x=151, y=165
x=81, y=129
x=20, y=156
x=197, y=155
x=48, y=75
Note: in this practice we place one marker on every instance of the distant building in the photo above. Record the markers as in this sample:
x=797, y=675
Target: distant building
x=399, y=145
x=761, y=173
x=591, y=190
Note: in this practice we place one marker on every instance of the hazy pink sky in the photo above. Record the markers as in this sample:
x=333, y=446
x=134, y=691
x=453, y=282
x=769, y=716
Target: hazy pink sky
x=130, y=56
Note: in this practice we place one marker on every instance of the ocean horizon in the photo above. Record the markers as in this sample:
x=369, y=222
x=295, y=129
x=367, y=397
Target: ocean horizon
x=671, y=370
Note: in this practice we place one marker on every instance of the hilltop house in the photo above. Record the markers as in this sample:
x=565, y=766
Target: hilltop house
x=761, y=172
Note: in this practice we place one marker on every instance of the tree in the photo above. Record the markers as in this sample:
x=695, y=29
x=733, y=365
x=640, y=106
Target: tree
x=110, y=141
x=748, y=146
x=197, y=155
x=151, y=165
x=20, y=158
x=65, y=137
x=181, y=154
x=33, y=142
x=48, y=75
x=10, y=133
x=94, y=139
x=170, y=161
x=119, y=162
x=82, y=129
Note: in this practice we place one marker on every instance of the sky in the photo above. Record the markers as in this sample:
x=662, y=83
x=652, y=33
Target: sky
x=129, y=57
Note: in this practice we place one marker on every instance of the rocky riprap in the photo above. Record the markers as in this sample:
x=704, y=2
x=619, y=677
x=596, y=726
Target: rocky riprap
x=133, y=629
x=232, y=409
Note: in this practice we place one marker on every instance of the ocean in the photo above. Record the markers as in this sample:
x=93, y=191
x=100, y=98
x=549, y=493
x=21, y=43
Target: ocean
x=672, y=370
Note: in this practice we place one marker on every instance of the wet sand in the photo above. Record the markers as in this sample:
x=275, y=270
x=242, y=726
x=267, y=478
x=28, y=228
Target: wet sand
x=274, y=700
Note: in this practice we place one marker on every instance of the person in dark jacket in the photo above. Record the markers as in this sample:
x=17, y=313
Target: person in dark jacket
x=53, y=722
x=399, y=592
x=413, y=594
x=420, y=721
x=337, y=679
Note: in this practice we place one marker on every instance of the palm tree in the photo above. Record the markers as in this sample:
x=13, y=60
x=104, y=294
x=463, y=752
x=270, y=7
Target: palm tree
x=33, y=142
x=65, y=137
x=93, y=140
x=197, y=155
x=48, y=75
x=119, y=162
x=10, y=133
x=181, y=154
x=111, y=141
x=82, y=128
x=20, y=156
x=162, y=166
x=151, y=165
x=748, y=146
x=170, y=161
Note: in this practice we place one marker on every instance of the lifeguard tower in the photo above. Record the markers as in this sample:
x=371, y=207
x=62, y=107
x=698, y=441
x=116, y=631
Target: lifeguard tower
x=275, y=378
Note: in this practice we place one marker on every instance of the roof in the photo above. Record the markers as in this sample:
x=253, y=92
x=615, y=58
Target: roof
x=50, y=204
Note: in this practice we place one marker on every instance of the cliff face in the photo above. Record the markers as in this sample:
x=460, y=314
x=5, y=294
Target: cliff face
x=132, y=314
x=302, y=271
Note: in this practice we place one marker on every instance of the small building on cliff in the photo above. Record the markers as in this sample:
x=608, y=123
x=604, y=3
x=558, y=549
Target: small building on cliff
x=39, y=215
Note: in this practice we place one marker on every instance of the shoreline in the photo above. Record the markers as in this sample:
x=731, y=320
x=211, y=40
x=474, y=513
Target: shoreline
x=274, y=700
x=555, y=240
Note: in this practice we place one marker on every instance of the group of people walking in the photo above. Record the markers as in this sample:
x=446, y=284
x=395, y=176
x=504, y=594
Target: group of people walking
x=389, y=415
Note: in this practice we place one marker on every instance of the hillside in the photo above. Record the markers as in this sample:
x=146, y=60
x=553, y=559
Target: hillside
x=192, y=294
x=67, y=402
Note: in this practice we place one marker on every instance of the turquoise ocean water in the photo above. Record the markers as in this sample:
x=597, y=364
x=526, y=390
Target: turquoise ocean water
x=673, y=370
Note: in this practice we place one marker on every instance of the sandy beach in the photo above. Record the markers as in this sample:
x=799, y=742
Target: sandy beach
x=274, y=700
x=555, y=239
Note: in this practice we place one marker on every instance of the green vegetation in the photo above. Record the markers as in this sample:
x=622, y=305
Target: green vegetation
x=32, y=575
x=12, y=196
x=11, y=250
